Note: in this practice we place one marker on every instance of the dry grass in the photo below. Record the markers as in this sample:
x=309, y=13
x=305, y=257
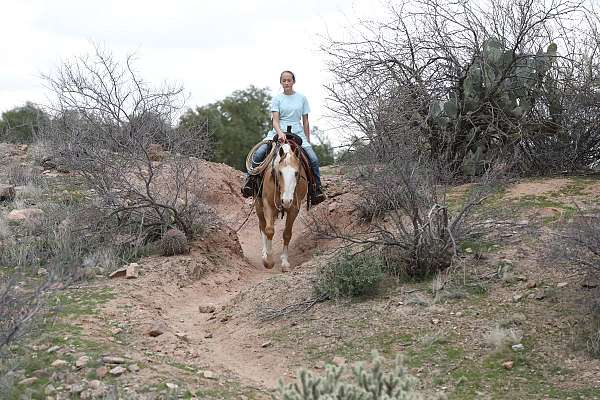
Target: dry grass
x=499, y=338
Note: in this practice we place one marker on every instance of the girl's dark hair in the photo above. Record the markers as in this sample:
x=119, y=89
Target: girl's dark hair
x=289, y=72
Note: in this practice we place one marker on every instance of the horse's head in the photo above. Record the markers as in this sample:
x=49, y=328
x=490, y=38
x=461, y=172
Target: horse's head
x=287, y=168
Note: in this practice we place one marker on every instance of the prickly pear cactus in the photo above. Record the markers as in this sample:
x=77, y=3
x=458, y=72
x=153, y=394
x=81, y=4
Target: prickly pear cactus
x=510, y=83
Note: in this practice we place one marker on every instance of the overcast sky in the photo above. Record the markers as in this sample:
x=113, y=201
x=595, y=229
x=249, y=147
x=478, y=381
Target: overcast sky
x=210, y=47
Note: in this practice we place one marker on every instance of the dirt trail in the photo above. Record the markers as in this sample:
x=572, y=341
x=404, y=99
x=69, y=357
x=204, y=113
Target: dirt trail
x=238, y=346
x=219, y=271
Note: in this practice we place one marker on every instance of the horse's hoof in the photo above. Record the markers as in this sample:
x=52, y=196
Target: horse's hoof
x=268, y=265
x=285, y=267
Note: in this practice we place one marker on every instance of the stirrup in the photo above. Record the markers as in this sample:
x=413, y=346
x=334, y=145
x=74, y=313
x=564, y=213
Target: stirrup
x=317, y=197
x=249, y=187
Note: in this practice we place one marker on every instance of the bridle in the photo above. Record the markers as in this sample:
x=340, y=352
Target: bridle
x=275, y=175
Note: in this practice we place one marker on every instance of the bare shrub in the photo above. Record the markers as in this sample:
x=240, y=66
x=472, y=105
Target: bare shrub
x=107, y=122
x=21, y=175
x=408, y=216
x=30, y=268
x=173, y=242
x=577, y=245
x=478, y=82
x=5, y=232
x=70, y=243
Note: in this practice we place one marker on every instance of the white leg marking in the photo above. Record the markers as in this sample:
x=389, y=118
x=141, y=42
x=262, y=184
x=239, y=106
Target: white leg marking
x=285, y=264
x=263, y=238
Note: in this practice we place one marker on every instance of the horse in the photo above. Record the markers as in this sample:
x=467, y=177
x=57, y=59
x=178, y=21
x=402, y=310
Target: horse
x=284, y=188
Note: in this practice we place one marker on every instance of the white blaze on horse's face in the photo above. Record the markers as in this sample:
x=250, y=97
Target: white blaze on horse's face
x=288, y=174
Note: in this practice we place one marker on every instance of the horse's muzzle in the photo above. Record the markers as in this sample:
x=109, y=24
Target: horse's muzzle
x=286, y=203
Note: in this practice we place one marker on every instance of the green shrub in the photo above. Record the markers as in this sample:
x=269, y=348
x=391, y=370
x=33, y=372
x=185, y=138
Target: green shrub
x=372, y=384
x=349, y=275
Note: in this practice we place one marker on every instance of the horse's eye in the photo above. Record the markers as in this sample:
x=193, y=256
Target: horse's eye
x=296, y=174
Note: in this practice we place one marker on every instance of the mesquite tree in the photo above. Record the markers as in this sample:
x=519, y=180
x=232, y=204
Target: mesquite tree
x=116, y=131
x=477, y=81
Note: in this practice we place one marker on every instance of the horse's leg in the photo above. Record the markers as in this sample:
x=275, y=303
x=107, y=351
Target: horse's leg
x=292, y=213
x=261, y=226
x=267, y=233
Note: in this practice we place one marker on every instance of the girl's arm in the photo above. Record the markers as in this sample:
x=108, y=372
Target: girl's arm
x=306, y=126
x=276, y=126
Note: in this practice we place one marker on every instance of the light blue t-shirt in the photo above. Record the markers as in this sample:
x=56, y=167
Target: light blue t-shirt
x=291, y=108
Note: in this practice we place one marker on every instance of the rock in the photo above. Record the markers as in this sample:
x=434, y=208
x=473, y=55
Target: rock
x=7, y=192
x=531, y=285
x=121, y=272
x=28, y=381
x=29, y=215
x=50, y=389
x=171, y=386
x=77, y=388
x=508, y=364
x=540, y=295
x=113, y=360
x=339, y=361
x=95, y=384
x=157, y=328
x=518, y=347
x=48, y=164
x=225, y=318
x=101, y=372
x=591, y=281
x=42, y=272
x=117, y=371
x=517, y=297
x=116, y=330
x=53, y=349
x=209, y=335
x=131, y=271
x=133, y=368
x=459, y=314
x=59, y=363
x=82, y=361
x=182, y=336
x=266, y=344
x=208, y=374
x=435, y=321
x=320, y=364
x=561, y=284
x=207, y=309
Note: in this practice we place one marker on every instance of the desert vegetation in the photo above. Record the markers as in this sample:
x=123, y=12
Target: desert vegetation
x=459, y=240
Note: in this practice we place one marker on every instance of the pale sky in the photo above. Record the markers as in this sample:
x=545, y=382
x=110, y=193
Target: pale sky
x=210, y=47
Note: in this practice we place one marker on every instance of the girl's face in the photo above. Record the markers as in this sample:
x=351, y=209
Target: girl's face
x=287, y=81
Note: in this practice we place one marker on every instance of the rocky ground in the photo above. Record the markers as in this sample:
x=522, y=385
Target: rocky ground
x=213, y=323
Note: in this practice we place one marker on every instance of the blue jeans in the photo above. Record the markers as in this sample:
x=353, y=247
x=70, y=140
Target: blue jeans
x=261, y=153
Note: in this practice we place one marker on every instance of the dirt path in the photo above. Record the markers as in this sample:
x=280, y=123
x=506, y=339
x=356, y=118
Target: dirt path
x=238, y=346
x=230, y=342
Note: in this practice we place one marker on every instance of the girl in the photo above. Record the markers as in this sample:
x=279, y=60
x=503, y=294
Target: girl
x=289, y=109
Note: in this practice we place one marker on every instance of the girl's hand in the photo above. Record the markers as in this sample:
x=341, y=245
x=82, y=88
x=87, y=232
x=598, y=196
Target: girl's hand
x=281, y=137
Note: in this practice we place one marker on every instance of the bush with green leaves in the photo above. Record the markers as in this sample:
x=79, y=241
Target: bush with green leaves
x=349, y=275
x=372, y=383
x=22, y=124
